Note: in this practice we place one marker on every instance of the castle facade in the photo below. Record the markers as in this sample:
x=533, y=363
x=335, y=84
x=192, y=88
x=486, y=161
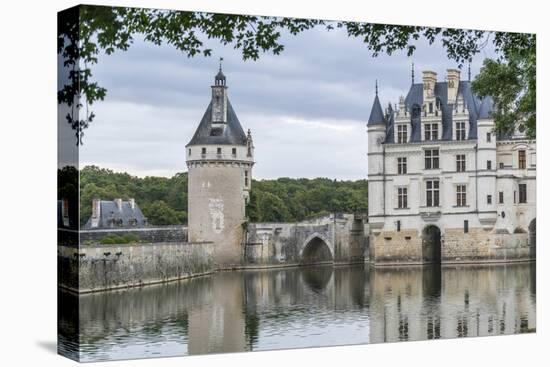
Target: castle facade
x=443, y=188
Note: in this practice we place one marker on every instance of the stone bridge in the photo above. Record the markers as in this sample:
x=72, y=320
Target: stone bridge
x=335, y=238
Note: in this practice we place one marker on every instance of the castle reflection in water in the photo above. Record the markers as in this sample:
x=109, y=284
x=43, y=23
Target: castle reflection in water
x=300, y=307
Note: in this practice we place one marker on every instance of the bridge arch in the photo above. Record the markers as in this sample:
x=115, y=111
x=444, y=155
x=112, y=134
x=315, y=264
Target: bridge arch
x=431, y=244
x=316, y=249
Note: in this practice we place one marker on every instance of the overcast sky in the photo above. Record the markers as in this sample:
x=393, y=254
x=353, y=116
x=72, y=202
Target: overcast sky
x=307, y=107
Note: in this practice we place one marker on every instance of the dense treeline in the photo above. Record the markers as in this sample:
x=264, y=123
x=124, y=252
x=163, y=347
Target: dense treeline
x=164, y=200
x=288, y=199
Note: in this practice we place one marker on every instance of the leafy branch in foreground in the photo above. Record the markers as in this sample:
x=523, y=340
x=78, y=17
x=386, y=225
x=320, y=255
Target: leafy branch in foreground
x=86, y=31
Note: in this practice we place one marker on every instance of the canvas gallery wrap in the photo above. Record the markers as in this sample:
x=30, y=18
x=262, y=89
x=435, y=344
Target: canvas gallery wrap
x=232, y=183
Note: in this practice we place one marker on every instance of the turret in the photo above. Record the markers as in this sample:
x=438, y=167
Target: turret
x=376, y=131
x=220, y=157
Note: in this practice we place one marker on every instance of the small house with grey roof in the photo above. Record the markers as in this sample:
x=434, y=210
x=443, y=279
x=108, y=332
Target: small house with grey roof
x=115, y=213
x=443, y=187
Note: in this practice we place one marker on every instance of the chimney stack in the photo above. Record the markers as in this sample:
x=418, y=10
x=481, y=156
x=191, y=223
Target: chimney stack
x=453, y=79
x=96, y=212
x=429, y=78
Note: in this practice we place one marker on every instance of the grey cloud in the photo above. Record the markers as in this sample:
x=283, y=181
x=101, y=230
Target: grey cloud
x=292, y=102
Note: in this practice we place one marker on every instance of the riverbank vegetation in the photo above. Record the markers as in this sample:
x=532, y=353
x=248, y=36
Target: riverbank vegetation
x=164, y=200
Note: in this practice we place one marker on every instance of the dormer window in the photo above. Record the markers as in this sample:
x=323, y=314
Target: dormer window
x=401, y=133
x=431, y=107
x=460, y=131
x=431, y=131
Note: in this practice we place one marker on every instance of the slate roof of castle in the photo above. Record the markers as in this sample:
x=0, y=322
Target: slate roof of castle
x=376, y=113
x=477, y=109
x=109, y=211
x=233, y=132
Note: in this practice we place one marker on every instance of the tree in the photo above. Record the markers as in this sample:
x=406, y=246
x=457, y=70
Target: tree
x=511, y=80
x=85, y=31
x=159, y=213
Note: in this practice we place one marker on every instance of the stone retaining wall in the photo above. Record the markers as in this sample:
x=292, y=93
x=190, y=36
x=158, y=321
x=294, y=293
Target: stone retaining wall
x=145, y=234
x=95, y=268
x=476, y=246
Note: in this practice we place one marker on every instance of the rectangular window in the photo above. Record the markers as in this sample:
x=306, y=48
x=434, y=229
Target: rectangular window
x=466, y=226
x=488, y=137
x=461, y=163
x=401, y=133
x=522, y=193
x=501, y=197
x=190, y=152
x=431, y=158
x=432, y=193
x=234, y=152
x=431, y=131
x=489, y=165
x=521, y=159
x=203, y=151
x=219, y=151
x=461, y=195
x=514, y=196
x=460, y=131
x=402, y=197
x=501, y=165
x=402, y=165
x=489, y=199
x=398, y=226
x=431, y=107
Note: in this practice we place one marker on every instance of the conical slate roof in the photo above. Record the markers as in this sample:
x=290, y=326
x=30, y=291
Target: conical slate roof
x=232, y=133
x=376, y=113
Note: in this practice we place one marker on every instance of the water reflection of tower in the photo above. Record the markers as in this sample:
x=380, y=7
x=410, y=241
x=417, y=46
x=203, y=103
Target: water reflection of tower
x=218, y=325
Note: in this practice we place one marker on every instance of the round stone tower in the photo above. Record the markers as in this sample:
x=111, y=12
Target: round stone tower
x=219, y=159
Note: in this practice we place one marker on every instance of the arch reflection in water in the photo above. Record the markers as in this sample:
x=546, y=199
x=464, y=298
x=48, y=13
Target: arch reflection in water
x=301, y=307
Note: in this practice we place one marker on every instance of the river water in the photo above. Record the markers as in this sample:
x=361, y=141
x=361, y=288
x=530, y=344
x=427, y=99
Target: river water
x=299, y=307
